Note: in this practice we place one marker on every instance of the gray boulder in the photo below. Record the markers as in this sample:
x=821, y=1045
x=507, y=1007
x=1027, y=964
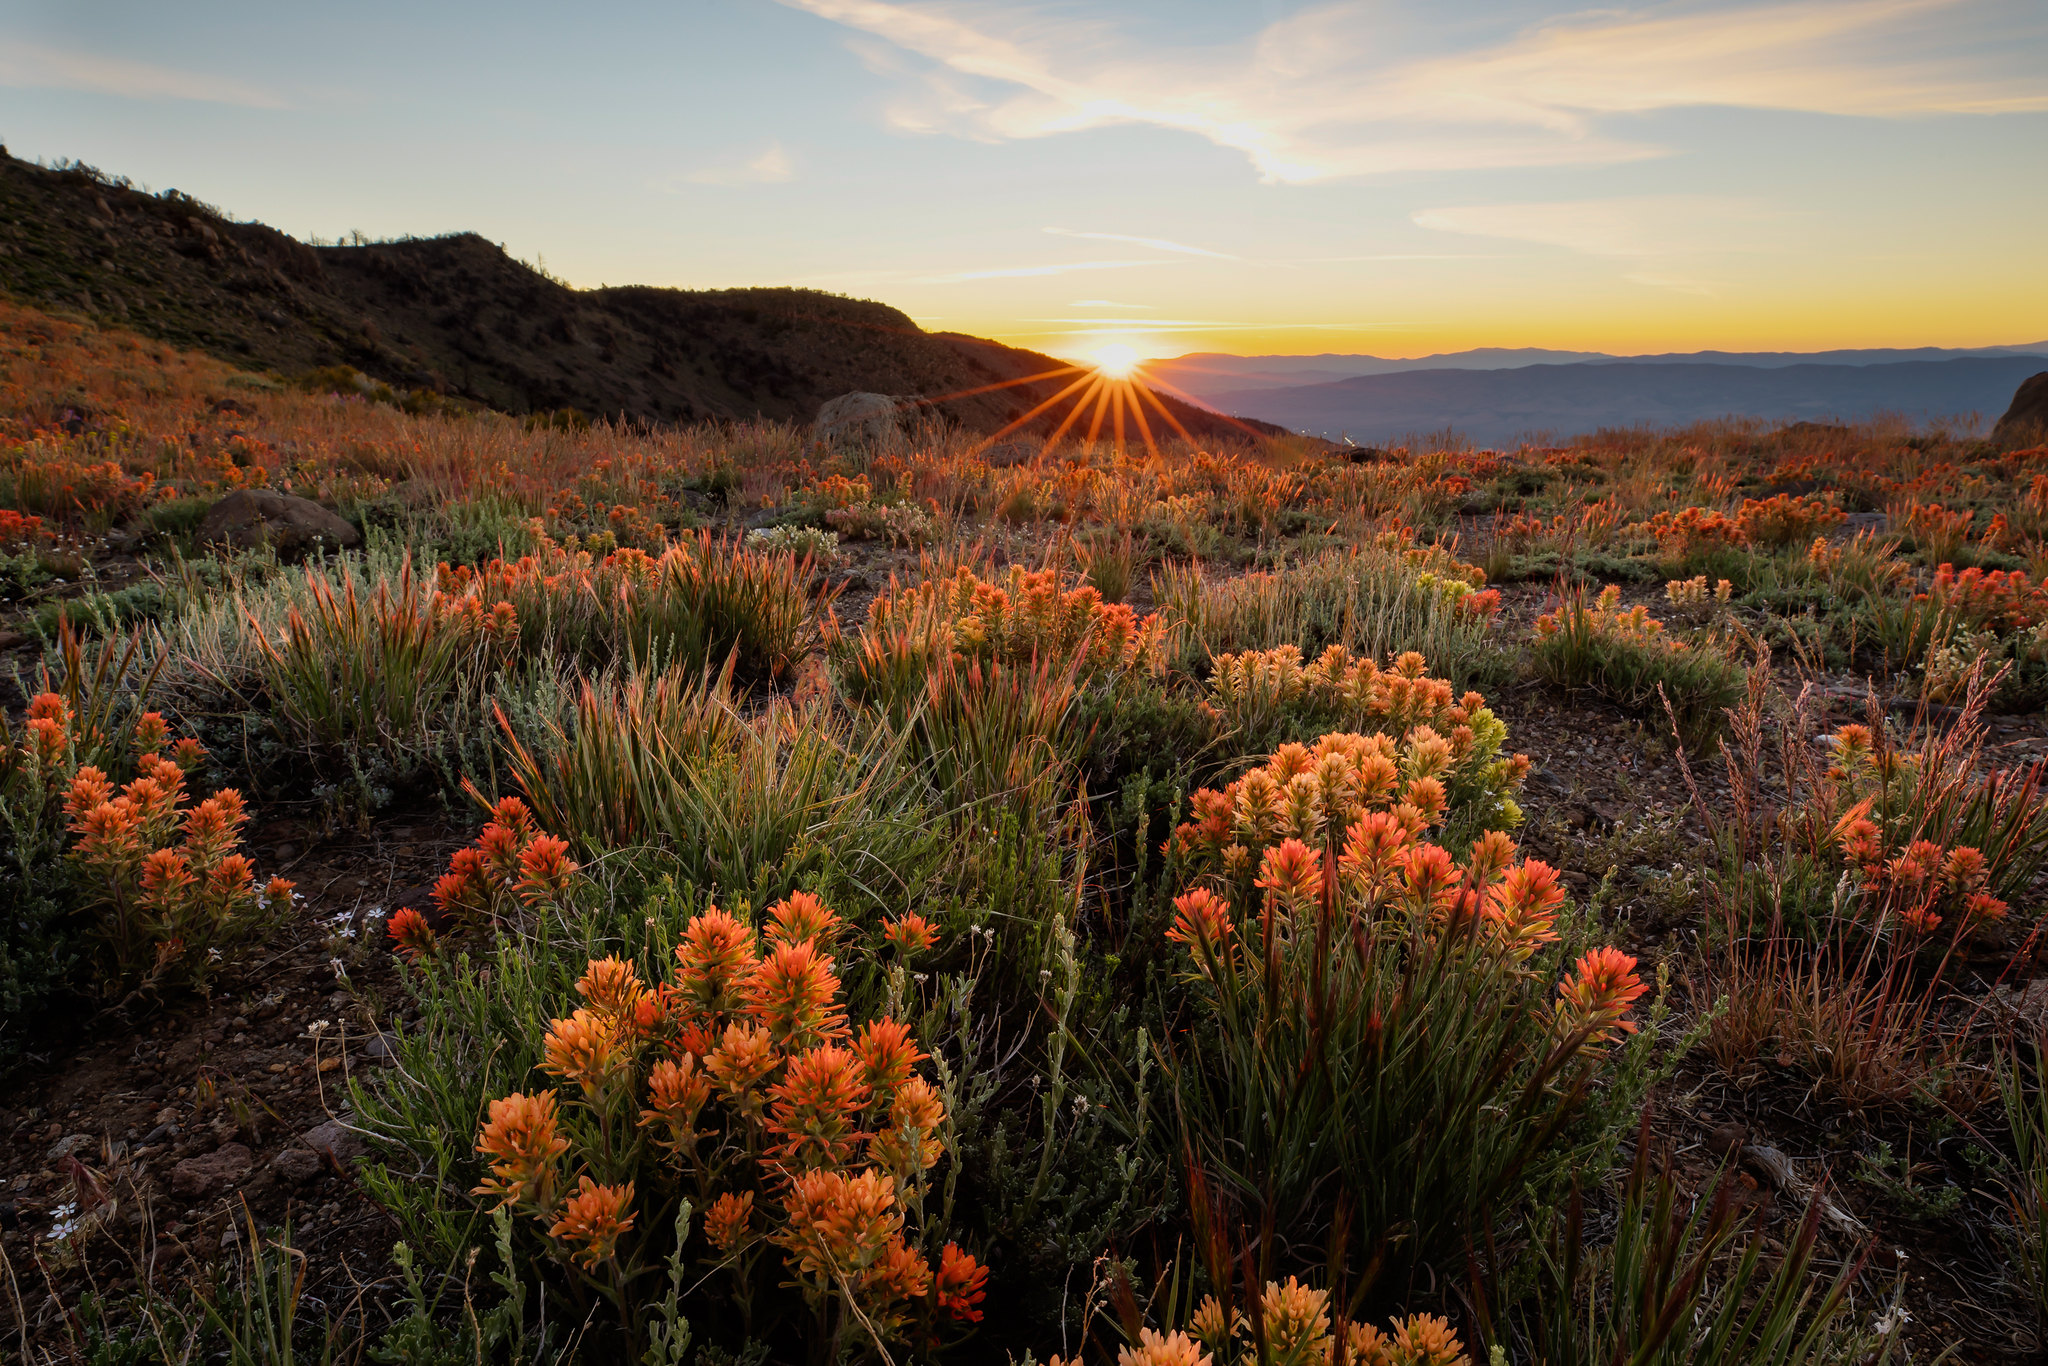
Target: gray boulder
x=292, y=526
x=857, y=417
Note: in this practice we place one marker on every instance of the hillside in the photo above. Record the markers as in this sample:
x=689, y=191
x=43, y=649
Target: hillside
x=457, y=315
x=1503, y=406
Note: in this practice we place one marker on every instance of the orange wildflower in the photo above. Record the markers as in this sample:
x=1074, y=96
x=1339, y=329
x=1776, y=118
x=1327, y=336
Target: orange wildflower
x=815, y=1107
x=802, y=918
x=1595, y=999
x=521, y=1139
x=911, y=934
x=792, y=993
x=595, y=1216
x=411, y=938
x=1170, y=1349
x=960, y=1283
x=728, y=1223
x=715, y=961
x=887, y=1052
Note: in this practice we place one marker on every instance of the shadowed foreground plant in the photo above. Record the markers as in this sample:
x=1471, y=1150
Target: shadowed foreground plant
x=2026, y=1111
x=1853, y=873
x=1673, y=1289
x=164, y=887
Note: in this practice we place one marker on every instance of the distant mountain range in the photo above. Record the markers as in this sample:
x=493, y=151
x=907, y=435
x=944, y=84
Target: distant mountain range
x=1498, y=396
x=457, y=315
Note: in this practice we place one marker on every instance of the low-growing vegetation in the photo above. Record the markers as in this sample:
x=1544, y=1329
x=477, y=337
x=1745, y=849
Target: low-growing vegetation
x=702, y=895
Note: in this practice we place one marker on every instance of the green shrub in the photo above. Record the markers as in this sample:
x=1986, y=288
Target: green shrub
x=1627, y=658
x=1379, y=1062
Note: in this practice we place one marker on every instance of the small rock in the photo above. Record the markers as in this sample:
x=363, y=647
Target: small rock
x=298, y=1165
x=380, y=1048
x=70, y=1146
x=335, y=1141
x=196, y=1178
x=1727, y=1139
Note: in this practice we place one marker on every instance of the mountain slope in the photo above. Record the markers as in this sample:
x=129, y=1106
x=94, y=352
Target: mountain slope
x=1206, y=375
x=1501, y=406
x=457, y=315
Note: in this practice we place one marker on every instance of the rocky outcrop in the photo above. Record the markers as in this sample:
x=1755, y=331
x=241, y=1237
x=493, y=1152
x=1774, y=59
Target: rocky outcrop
x=2026, y=422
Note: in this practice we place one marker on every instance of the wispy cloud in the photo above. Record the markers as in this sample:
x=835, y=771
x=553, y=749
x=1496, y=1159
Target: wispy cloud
x=1104, y=303
x=1639, y=225
x=1024, y=272
x=1156, y=243
x=1653, y=232
x=1320, y=94
x=38, y=67
x=768, y=167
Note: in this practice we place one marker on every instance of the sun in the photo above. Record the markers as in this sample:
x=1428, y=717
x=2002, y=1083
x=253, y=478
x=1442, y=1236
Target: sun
x=1116, y=360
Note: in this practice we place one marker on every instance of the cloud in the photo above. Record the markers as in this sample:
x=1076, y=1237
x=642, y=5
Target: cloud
x=1645, y=225
x=34, y=66
x=770, y=167
x=1104, y=303
x=1156, y=243
x=1325, y=93
x=1649, y=231
x=1023, y=272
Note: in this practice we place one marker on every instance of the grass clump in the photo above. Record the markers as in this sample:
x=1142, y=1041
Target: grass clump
x=1625, y=656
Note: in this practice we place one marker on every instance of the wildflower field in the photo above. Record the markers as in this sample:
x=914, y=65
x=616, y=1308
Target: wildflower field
x=699, y=895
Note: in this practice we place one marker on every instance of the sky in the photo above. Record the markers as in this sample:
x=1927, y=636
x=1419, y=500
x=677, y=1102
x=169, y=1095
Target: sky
x=1395, y=177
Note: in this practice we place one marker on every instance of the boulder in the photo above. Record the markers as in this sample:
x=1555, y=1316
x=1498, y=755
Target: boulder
x=221, y=1170
x=857, y=417
x=2026, y=422
x=294, y=527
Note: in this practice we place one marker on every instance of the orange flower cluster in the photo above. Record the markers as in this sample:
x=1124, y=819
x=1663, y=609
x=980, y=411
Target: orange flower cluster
x=1319, y=795
x=1259, y=684
x=1921, y=882
x=165, y=872
x=1997, y=600
x=1596, y=998
x=1383, y=869
x=746, y=1076
x=20, y=532
x=1694, y=531
x=513, y=867
x=1026, y=617
x=1784, y=519
x=1608, y=617
x=1296, y=1327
